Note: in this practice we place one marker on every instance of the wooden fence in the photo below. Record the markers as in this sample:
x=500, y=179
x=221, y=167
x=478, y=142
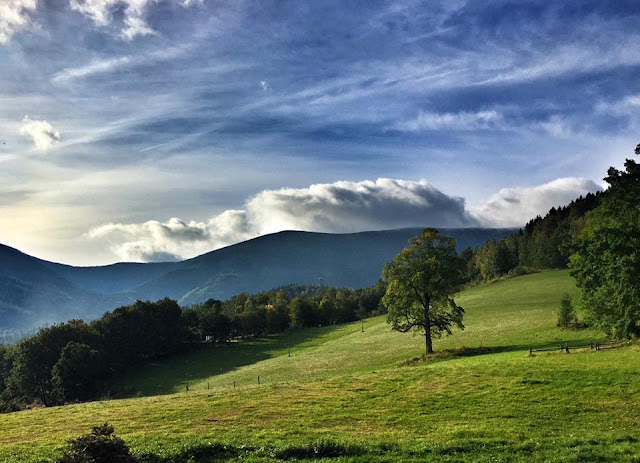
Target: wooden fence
x=594, y=345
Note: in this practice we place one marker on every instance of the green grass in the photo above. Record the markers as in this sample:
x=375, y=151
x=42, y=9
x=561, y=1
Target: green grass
x=343, y=394
x=506, y=315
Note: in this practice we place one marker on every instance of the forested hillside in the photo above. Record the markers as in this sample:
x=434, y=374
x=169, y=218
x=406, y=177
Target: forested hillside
x=76, y=360
x=544, y=243
x=35, y=292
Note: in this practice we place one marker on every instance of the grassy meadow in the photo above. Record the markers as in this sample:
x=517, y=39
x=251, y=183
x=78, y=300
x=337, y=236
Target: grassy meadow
x=343, y=395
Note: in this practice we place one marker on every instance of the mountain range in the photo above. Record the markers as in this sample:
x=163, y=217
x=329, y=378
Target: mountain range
x=34, y=292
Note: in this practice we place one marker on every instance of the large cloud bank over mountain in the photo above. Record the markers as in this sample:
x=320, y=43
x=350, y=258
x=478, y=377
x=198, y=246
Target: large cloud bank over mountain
x=513, y=207
x=338, y=207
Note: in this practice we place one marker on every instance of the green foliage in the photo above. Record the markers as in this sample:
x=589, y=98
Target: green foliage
x=566, y=313
x=546, y=243
x=606, y=264
x=75, y=375
x=35, y=357
x=6, y=364
x=140, y=331
x=68, y=361
x=420, y=281
x=99, y=446
x=276, y=311
x=6, y=361
x=301, y=312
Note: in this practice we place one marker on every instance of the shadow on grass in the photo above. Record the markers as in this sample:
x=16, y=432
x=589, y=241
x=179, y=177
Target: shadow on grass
x=167, y=376
x=447, y=354
x=463, y=351
x=458, y=451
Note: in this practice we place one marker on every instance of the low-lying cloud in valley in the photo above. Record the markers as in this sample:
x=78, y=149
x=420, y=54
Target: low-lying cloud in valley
x=339, y=207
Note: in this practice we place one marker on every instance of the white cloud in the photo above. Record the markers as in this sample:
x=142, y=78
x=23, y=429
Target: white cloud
x=134, y=23
x=94, y=67
x=157, y=241
x=339, y=207
x=100, y=12
x=14, y=15
x=335, y=207
x=354, y=206
x=43, y=133
x=625, y=106
x=450, y=121
x=555, y=126
x=514, y=207
x=135, y=26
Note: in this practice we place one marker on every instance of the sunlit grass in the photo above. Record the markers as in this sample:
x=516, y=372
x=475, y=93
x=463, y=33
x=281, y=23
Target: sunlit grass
x=513, y=313
x=346, y=387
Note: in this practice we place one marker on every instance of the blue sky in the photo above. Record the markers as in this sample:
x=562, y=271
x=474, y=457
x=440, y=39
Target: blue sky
x=146, y=130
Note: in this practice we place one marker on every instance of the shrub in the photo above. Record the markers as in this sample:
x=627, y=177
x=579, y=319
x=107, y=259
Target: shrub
x=99, y=446
x=566, y=313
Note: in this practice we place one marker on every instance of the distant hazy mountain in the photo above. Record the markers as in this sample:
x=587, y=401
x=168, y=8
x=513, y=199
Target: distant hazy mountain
x=34, y=292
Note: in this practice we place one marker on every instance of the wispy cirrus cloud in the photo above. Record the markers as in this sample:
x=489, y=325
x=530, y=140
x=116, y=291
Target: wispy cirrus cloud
x=451, y=121
x=94, y=67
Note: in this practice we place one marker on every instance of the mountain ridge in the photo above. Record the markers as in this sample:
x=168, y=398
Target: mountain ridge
x=36, y=291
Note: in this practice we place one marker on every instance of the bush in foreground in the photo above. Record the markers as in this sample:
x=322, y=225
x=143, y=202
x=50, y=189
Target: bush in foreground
x=99, y=446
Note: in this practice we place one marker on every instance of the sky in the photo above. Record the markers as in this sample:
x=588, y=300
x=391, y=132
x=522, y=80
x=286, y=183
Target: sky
x=149, y=130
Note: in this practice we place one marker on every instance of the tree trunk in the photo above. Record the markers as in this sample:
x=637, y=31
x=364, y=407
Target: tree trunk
x=427, y=328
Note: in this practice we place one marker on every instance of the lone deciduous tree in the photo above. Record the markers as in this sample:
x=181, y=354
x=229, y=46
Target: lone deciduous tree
x=420, y=281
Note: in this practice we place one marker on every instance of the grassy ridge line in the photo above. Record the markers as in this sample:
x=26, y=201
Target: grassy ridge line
x=509, y=314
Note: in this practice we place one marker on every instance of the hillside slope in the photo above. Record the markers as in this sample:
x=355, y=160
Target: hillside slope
x=507, y=315
x=30, y=292
x=493, y=403
x=34, y=292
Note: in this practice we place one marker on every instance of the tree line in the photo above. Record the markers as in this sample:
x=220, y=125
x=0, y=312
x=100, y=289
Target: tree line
x=606, y=262
x=74, y=361
x=597, y=237
x=545, y=243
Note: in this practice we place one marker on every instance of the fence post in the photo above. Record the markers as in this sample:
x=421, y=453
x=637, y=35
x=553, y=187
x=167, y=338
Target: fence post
x=234, y=384
x=258, y=379
x=566, y=348
x=531, y=350
x=187, y=387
